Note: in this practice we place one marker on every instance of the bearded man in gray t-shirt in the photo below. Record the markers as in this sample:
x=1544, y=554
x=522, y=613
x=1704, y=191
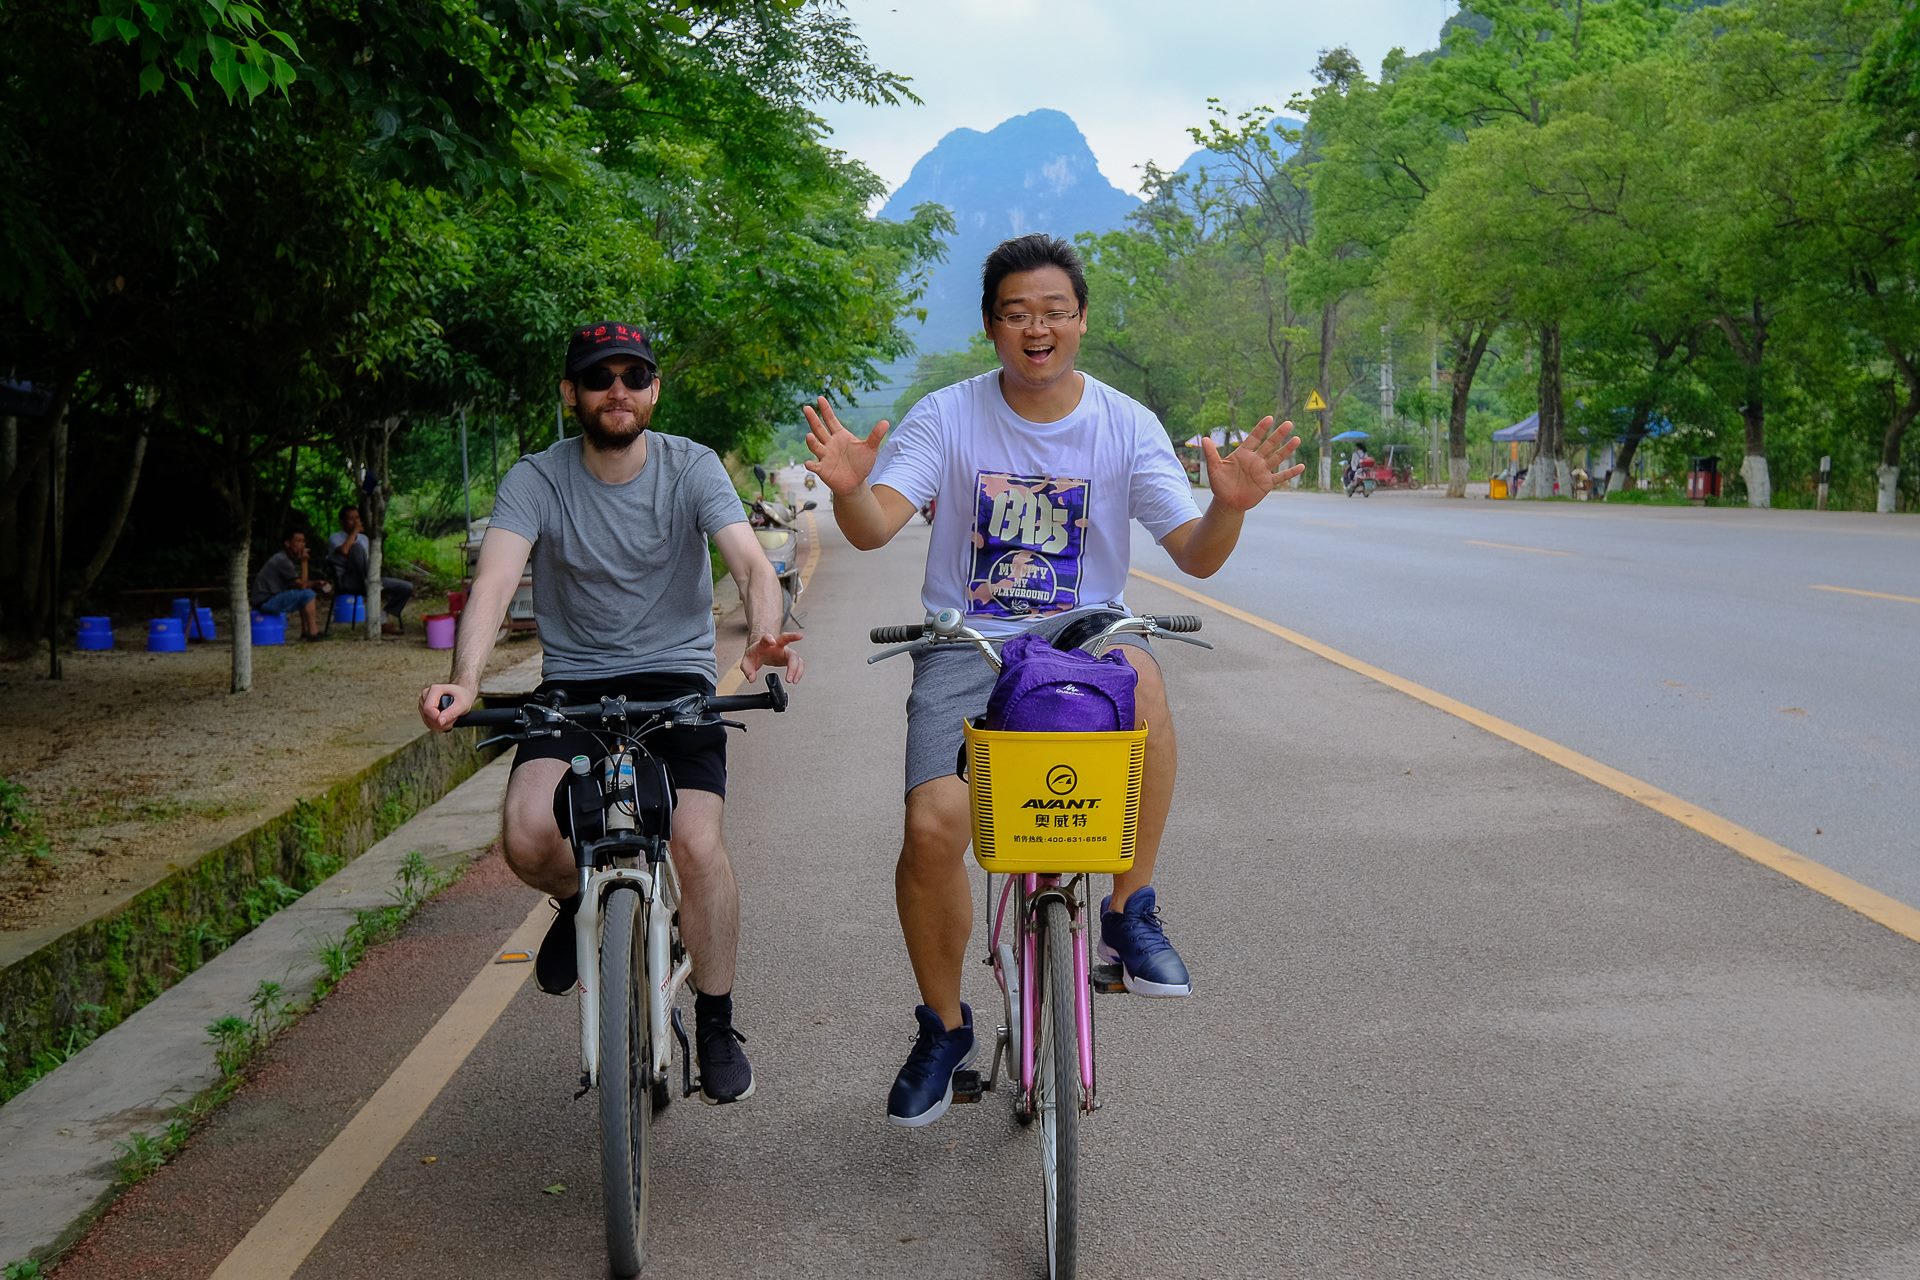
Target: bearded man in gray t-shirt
x=616, y=521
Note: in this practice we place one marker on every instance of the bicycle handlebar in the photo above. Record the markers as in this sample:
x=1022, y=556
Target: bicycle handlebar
x=1176, y=622
x=590, y=714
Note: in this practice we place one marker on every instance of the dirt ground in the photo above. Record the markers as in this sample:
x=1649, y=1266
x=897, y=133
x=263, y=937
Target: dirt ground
x=138, y=761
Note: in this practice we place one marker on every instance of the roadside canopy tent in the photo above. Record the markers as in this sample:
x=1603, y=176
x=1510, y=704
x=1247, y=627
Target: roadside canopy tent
x=1528, y=428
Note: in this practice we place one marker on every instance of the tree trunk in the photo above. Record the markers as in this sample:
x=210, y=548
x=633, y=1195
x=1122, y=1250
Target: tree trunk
x=1469, y=345
x=1547, y=474
x=110, y=536
x=239, y=616
x=57, y=532
x=1751, y=348
x=1904, y=414
x=1622, y=478
x=283, y=509
x=374, y=513
x=9, y=513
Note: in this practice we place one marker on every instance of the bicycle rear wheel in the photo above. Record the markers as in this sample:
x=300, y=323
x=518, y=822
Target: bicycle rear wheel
x=1056, y=1083
x=626, y=1069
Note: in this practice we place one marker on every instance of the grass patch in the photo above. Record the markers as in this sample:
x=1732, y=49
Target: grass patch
x=238, y=1039
x=22, y=833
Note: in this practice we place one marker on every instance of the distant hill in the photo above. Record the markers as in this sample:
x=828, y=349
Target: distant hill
x=1032, y=173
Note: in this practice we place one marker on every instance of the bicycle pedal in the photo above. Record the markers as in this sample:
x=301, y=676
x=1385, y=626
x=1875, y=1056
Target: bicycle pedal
x=1107, y=977
x=966, y=1085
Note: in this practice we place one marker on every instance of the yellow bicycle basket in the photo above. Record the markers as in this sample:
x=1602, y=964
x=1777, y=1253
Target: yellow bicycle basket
x=1055, y=802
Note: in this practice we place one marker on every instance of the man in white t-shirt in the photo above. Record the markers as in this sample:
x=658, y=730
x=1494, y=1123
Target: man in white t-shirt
x=1038, y=470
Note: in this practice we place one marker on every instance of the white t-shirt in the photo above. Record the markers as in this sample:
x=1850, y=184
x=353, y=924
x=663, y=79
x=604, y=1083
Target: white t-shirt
x=1032, y=518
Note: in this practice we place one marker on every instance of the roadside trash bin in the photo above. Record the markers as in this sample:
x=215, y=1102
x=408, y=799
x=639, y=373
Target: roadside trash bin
x=1703, y=478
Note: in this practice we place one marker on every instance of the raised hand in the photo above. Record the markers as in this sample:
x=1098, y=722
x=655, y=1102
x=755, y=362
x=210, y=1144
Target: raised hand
x=843, y=459
x=774, y=651
x=1252, y=471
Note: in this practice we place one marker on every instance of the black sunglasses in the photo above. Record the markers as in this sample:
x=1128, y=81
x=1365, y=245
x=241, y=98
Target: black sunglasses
x=600, y=378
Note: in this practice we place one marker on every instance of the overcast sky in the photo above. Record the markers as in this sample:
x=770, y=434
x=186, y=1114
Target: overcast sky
x=1133, y=74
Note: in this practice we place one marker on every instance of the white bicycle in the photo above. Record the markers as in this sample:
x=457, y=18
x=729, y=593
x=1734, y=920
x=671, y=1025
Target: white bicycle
x=627, y=944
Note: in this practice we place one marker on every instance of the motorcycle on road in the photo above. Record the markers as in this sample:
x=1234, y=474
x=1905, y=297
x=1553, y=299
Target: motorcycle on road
x=773, y=521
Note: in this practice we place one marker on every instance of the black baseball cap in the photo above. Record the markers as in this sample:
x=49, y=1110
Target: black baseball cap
x=593, y=343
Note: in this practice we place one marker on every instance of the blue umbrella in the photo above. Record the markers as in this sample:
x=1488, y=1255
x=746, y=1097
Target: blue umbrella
x=1350, y=435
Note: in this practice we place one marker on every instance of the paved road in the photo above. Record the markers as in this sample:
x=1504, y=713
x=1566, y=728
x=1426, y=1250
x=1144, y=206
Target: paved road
x=1493, y=1021
x=1701, y=650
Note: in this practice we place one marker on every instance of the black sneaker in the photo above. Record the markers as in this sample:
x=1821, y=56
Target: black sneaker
x=725, y=1073
x=924, y=1088
x=555, y=967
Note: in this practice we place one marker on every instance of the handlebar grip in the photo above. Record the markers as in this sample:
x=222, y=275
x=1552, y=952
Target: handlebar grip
x=1176, y=622
x=489, y=718
x=897, y=635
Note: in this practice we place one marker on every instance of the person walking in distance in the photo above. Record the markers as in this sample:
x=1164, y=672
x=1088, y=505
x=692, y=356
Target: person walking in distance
x=1037, y=469
x=617, y=521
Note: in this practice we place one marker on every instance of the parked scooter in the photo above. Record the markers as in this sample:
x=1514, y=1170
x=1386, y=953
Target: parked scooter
x=773, y=523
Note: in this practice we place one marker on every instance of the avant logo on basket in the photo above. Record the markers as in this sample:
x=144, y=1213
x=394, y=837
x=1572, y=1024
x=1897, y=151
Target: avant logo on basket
x=1089, y=802
x=1061, y=780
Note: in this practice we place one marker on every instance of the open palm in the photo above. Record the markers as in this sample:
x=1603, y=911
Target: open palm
x=1255, y=468
x=842, y=459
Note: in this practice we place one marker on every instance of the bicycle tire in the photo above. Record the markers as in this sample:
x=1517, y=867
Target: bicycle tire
x=1056, y=1072
x=626, y=1085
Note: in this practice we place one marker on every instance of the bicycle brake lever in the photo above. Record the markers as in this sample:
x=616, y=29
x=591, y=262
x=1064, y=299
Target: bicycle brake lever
x=908, y=647
x=1174, y=635
x=731, y=724
x=501, y=737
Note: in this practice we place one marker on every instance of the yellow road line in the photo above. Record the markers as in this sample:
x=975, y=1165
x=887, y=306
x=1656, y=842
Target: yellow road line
x=1873, y=595
x=1871, y=903
x=298, y=1220
x=1508, y=546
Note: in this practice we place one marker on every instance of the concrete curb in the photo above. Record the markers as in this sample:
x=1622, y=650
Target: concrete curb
x=58, y=1137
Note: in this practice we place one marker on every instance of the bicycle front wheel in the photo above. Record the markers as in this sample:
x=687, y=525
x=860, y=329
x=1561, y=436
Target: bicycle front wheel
x=626, y=1069
x=1056, y=1086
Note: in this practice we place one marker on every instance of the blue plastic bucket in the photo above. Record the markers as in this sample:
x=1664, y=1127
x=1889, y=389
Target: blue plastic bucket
x=351, y=609
x=203, y=624
x=95, y=633
x=166, y=635
x=182, y=608
x=269, y=628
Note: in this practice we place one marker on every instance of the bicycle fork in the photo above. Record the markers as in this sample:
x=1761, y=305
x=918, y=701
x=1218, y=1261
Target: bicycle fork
x=1016, y=966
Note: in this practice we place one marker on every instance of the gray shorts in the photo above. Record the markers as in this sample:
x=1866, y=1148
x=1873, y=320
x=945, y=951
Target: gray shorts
x=950, y=685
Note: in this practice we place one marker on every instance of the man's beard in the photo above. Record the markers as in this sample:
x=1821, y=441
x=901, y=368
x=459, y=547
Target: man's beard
x=614, y=439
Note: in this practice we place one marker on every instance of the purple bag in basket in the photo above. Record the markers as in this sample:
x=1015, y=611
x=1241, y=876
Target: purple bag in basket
x=1042, y=689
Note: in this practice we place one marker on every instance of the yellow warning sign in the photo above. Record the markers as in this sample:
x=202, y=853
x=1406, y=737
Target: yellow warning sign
x=1315, y=403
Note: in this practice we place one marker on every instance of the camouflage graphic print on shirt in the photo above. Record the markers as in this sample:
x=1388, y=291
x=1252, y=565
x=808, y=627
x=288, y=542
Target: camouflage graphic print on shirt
x=1028, y=536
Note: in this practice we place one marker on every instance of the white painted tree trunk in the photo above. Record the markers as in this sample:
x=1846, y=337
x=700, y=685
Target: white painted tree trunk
x=376, y=611
x=1889, y=483
x=241, y=626
x=1753, y=469
x=1456, y=477
x=1326, y=472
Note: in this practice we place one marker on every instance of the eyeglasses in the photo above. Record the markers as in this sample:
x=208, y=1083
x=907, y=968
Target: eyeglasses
x=1051, y=319
x=600, y=378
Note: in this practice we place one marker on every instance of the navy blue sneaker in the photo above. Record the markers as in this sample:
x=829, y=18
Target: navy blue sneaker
x=923, y=1090
x=1134, y=940
x=555, y=966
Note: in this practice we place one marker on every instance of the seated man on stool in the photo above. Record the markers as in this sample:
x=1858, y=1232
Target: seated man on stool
x=282, y=586
x=347, y=557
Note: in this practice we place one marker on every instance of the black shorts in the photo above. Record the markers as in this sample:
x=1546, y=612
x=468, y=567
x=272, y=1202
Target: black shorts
x=696, y=759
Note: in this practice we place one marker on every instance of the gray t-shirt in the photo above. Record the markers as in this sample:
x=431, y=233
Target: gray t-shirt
x=278, y=574
x=622, y=582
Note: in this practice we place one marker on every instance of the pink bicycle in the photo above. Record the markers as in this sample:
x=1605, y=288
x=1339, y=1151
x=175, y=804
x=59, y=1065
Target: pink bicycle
x=1049, y=811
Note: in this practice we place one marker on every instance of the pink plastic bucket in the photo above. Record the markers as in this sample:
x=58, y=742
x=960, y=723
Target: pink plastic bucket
x=439, y=631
